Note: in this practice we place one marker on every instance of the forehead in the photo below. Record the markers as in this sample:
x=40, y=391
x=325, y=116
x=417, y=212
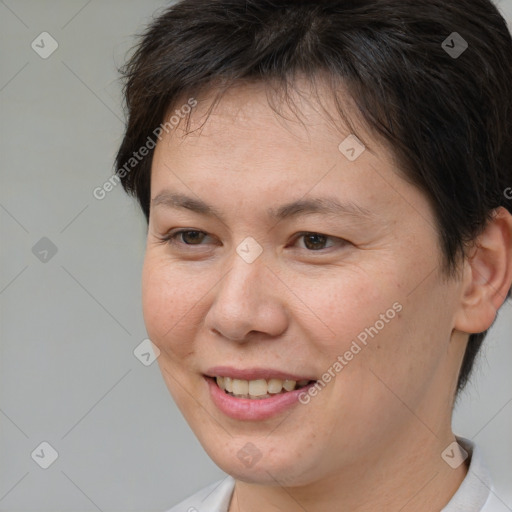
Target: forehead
x=252, y=126
x=244, y=149
x=306, y=110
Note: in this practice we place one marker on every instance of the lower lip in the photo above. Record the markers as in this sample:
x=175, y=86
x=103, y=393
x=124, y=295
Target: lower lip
x=253, y=409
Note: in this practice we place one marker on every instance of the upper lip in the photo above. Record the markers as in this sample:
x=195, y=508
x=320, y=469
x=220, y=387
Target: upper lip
x=254, y=373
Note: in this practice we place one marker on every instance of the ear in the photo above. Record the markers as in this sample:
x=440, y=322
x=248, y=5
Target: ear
x=487, y=275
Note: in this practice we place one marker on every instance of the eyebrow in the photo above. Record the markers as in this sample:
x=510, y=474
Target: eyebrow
x=317, y=205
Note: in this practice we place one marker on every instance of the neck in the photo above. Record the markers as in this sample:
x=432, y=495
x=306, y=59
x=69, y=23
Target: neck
x=407, y=474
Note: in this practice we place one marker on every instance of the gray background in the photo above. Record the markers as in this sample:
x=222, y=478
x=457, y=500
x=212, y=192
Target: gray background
x=69, y=324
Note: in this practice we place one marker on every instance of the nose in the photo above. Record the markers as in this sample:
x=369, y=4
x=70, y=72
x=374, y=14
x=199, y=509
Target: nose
x=249, y=302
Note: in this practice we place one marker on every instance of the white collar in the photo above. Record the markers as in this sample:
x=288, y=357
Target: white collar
x=476, y=488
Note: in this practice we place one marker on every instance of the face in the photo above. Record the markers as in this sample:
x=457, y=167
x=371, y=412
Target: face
x=349, y=303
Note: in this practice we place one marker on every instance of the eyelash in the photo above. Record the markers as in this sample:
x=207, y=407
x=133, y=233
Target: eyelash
x=170, y=238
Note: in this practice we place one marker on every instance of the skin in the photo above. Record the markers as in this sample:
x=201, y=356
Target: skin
x=372, y=438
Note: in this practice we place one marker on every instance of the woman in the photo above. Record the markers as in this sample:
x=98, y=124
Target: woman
x=327, y=190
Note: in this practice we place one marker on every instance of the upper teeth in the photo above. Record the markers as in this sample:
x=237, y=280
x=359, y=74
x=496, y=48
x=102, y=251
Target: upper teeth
x=259, y=387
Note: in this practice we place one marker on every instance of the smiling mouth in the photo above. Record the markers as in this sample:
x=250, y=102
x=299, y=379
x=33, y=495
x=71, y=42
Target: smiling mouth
x=258, y=389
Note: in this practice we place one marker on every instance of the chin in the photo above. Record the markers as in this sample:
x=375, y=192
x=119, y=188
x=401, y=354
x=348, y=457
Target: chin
x=249, y=464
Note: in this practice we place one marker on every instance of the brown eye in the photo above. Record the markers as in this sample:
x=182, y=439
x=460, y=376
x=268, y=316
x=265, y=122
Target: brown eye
x=186, y=237
x=191, y=237
x=315, y=242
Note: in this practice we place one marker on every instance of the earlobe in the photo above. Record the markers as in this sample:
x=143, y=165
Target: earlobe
x=487, y=275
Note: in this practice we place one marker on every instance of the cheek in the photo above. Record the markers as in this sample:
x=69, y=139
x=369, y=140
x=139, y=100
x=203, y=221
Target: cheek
x=168, y=304
x=350, y=303
x=400, y=362
x=378, y=325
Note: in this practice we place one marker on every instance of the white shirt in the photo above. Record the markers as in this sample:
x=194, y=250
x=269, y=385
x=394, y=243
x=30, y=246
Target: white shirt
x=475, y=493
